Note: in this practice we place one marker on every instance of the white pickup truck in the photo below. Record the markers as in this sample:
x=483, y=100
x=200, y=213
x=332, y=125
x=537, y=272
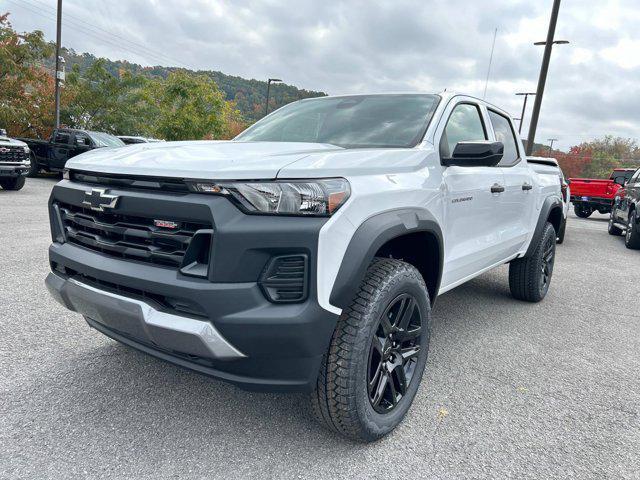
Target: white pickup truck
x=305, y=254
x=14, y=162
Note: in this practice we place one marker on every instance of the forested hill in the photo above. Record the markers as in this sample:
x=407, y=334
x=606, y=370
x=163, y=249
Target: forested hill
x=249, y=95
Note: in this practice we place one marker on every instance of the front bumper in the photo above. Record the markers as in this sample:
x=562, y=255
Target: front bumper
x=14, y=169
x=234, y=332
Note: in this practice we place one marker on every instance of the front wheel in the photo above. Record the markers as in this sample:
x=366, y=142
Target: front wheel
x=34, y=169
x=13, y=183
x=612, y=229
x=582, y=211
x=530, y=277
x=372, y=370
x=632, y=238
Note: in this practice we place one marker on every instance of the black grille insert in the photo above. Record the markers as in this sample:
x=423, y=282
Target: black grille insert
x=12, y=153
x=285, y=279
x=129, y=237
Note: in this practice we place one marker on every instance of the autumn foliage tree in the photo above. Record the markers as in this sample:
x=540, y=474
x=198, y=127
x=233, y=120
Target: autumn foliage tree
x=26, y=88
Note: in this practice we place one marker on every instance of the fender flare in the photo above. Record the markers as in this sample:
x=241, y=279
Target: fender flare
x=372, y=234
x=549, y=204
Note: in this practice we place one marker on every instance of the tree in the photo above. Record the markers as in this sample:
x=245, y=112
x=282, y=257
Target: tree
x=189, y=106
x=99, y=100
x=26, y=92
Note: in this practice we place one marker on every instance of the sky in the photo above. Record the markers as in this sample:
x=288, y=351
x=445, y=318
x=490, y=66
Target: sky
x=383, y=46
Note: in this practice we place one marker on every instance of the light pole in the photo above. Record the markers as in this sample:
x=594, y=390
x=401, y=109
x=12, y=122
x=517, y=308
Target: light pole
x=59, y=72
x=544, y=70
x=269, y=82
x=524, y=107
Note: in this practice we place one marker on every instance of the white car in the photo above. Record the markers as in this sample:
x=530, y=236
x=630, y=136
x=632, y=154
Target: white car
x=307, y=253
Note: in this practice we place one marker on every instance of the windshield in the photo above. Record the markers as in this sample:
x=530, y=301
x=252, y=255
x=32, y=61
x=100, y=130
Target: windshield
x=360, y=121
x=105, y=140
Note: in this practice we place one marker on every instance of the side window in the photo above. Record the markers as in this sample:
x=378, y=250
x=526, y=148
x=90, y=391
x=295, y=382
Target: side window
x=62, y=137
x=464, y=125
x=506, y=135
x=82, y=140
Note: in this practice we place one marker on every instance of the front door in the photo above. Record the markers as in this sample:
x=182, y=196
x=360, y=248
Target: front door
x=472, y=200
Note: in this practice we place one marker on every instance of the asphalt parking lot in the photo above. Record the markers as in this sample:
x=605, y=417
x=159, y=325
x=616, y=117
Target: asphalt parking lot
x=511, y=390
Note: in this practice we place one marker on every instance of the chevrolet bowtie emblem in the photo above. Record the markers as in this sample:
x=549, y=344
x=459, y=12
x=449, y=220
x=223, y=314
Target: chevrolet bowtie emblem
x=98, y=200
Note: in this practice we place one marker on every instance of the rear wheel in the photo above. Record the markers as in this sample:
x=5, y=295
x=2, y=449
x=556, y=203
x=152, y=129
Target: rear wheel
x=530, y=277
x=612, y=229
x=377, y=356
x=14, y=183
x=582, y=211
x=632, y=237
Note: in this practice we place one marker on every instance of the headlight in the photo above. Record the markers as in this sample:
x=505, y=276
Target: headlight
x=26, y=149
x=305, y=197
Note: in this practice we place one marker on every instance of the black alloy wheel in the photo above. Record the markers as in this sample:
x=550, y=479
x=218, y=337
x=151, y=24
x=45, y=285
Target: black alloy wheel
x=393, y=353
x=548, y=259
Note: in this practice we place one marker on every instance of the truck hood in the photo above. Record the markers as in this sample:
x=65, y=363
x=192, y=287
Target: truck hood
x=230, y=160
x=6, y=141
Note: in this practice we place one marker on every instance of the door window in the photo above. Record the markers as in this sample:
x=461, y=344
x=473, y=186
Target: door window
x=505, y=134
x=62, y=137
x=464, y=125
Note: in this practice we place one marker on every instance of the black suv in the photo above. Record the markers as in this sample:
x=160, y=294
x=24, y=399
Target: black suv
x=625, y=214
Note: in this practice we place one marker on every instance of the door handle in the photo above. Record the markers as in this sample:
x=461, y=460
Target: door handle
x=497, y=188
x=527, y=186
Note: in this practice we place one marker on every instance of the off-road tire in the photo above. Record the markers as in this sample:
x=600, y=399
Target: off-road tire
x=526, y=274
x=632, y=237
x=582, y=212
x=13, y=183
x=561, y=233
x=341, y=399
x=34, y=169
x=612, y=229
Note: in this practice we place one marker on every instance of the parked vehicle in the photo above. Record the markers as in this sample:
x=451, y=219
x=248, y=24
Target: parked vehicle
x=129, y=140
x=14, y=162
x=564, y=185
x=594, y=194
x=65, y=143
x=306, y=254
x=625, y=214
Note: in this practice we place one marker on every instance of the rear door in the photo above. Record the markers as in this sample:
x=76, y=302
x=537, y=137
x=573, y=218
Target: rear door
x=471, y=209
x=517, y=203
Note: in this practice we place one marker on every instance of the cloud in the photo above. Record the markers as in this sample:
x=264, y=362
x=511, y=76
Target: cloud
x=360, y=46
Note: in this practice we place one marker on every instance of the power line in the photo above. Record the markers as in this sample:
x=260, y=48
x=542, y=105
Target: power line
x=91, y=31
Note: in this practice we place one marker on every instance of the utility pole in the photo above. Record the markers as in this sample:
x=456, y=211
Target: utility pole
x=544, y=70
x=59, y=72
x=552, y=140
x=524, y=107
x=269, y=82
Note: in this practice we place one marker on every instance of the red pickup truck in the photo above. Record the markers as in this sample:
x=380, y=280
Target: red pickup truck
x=591, y=194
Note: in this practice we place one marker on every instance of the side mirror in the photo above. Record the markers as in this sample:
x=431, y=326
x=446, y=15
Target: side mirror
x=475, y=154
x=620, y=181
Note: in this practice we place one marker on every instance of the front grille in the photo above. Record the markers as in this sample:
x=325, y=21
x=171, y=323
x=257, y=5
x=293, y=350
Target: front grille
x=14, y=154
x=285, y=279
x=126, y=236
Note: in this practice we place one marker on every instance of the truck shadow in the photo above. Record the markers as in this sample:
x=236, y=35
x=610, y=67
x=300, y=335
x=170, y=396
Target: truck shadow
x=120, y=395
